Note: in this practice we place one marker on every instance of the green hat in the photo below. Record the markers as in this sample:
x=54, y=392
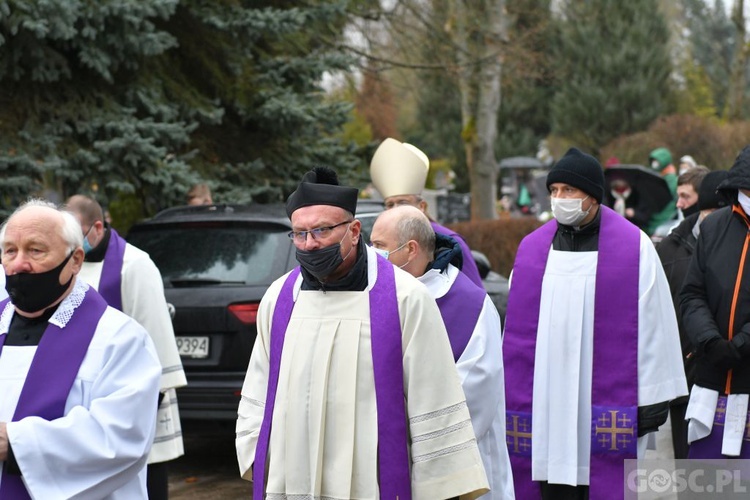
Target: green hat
x=662, y=156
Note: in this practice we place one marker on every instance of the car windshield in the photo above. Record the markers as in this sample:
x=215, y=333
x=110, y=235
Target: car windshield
x=215, y=254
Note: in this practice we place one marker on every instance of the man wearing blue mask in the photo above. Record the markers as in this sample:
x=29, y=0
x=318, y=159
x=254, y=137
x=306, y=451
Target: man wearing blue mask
x=129, y=281
x=473, y=326
x=399, y=173
x=591, y=346
x=351, y=391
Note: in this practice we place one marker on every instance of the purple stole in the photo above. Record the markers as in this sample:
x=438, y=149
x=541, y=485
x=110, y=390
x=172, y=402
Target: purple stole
x=110, y=282
x=614, y=388
x=710, y=446
x=460, y=309
x=387, y=355
x=469, y=267
x=52, y=373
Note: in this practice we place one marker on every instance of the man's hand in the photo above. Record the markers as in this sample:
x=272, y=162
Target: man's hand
x=722, y=353
x=3, y=442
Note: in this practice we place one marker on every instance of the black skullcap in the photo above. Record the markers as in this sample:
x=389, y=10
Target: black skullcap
x=708, y=196
x=320, y=186
x=581, y=171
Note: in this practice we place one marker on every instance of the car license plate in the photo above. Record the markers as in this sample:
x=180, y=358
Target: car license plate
x=192, y=347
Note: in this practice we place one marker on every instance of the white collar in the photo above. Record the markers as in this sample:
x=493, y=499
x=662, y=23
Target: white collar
x=439, y=283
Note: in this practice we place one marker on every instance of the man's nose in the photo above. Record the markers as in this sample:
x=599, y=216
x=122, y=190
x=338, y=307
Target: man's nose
x=311, y=243
x=20, y=264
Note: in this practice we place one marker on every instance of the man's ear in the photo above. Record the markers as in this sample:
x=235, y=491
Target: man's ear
x=77, y=258
x=412, y=247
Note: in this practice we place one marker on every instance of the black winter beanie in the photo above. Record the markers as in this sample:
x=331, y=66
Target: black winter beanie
x=579, y=170
x=708, y=195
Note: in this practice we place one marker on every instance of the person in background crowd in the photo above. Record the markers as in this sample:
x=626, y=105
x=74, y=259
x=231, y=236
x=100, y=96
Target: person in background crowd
x=200, y=194
x=688, y=184
x=399, y=173
x=715, y=309
x=675, y=252
x=660, y=159
x=129, y=281
x=405, y=237
x=686, y=163
x=79, y=381
x=587, y=295
x=351, y=391
x=628, y=203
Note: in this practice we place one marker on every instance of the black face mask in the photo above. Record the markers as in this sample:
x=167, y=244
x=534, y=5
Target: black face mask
x=321, y=262
x=32, y=292
x=692, y=209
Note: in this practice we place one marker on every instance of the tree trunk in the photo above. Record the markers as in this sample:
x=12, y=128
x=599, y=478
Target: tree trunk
x=479, y=70
x=736, y=99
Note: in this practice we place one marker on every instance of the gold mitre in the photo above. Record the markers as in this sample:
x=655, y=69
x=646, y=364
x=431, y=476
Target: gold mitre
x=398, y=168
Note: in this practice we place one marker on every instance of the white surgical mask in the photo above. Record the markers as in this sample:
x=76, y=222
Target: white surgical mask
x=569, y=211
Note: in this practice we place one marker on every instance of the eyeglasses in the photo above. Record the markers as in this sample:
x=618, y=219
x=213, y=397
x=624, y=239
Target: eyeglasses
x=317, y=233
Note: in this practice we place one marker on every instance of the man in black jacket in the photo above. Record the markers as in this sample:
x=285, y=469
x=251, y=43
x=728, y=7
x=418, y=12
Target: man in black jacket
x=715, y=308
x=675, y=252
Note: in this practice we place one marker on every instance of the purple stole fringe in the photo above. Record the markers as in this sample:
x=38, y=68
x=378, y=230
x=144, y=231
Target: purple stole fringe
x=460, y=309
x=110, y=281
x=614, y=391
x=710, y=446
x=387, y=354
x=52, y=373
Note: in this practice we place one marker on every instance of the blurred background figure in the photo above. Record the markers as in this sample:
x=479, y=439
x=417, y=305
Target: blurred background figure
x=686, y=163
x=627, y=202
x=660, y=159
x=200, y=194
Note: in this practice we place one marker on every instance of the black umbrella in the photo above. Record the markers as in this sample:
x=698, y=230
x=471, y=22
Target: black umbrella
x=648, y=185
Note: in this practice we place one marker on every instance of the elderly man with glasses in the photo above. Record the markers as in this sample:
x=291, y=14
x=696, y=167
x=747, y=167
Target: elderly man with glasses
x=351, y=391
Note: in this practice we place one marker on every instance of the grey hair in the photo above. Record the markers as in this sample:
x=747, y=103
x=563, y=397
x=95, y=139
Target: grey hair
x=71, y=230
x=416, y=227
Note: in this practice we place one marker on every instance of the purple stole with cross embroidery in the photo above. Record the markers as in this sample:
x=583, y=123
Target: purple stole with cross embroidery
x=110, y=281
x=614, y=387
x=52, y=372
x=460, y=309
x=387, y=356
x=710, y=446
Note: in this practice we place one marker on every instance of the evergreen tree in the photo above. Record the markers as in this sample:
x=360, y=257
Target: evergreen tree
x=142, y=99
x=614, y=69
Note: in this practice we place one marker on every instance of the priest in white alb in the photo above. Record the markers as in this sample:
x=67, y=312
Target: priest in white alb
x=591, y=346
x=79, y=380
x=404, y=236
x=351, y=391
x=129, y=281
